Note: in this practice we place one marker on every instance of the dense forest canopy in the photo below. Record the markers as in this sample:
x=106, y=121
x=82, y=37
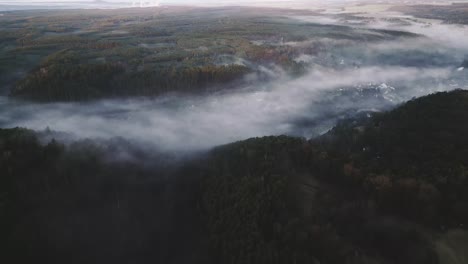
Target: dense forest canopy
x=383, y=189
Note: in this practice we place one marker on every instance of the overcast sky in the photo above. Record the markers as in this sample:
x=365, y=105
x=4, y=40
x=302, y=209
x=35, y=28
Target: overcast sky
x=270, y=3
x=163, y=1
x=283, y=3
x=130, y=1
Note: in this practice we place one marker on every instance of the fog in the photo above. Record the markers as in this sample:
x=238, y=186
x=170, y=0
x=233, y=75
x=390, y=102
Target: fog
x=307, y=106
x=353, y=80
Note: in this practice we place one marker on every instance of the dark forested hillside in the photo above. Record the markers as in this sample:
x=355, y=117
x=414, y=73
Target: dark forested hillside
x=372, y=190
x=465, y=63
x=87, y=203
x=91, y=81
x=390, y=188
x=418, y=152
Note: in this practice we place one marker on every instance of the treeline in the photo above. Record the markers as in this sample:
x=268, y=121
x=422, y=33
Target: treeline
x=465, y=63
x=93, y=81
x=150, y=32
x=287, y=200
x=452, y=14
x=84, y=202
x=67, y=43
x=363, y=193
x=412, y=159
x=187, y=79
x=69, y=83
x=245, y=202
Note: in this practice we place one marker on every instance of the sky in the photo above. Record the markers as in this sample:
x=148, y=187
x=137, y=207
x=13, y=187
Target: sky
x=291, y=3
x=51, y=2
x=168, y=1
x=213, y=1
x=130, y=1
x=81, y=4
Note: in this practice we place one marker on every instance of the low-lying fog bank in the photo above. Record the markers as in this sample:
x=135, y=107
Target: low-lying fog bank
x=340, y=83
x=306, y=107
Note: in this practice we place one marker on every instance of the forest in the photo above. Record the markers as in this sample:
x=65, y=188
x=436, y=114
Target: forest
x=456, y=13
x=386, y=187
x=107, y=53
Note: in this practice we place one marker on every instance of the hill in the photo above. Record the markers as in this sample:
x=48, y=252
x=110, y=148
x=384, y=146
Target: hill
x=366, y=192
x=390, y=188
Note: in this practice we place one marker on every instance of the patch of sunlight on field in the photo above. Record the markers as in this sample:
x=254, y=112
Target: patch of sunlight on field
x=452, y=247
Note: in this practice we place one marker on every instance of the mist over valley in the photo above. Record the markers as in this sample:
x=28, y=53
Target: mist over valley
x=301, y=87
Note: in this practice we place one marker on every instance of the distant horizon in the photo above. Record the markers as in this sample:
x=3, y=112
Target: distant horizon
x=212, y=2
x=19, y=5
x=8, y=5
